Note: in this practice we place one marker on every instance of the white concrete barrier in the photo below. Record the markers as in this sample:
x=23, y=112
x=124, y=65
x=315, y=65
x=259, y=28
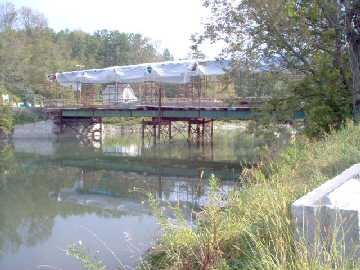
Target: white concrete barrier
x=329, y=215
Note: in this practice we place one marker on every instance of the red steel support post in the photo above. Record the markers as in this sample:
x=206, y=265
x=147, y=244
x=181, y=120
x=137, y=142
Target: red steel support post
x=189, y=132
x=142, y=131
x=170, y=137
x=154, y=133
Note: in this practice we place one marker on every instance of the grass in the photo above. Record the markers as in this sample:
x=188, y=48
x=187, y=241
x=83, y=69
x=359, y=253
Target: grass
x=255, y=229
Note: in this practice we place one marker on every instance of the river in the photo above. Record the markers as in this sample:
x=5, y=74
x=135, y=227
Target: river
x=56, y=193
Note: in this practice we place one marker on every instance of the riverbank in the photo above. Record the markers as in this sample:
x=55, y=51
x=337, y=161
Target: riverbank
x=255, y=230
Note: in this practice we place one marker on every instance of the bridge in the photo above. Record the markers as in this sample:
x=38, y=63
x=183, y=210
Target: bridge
x=162, y=94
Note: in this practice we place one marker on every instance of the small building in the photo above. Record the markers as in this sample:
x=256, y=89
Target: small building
x=5, y=99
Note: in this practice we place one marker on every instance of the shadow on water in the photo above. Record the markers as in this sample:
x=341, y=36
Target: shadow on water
x=55, y=193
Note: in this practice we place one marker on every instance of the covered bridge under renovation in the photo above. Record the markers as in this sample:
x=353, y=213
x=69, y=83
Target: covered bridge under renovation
x=190, y=91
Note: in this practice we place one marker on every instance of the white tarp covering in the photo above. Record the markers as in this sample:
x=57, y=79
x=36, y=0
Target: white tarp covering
x=175, y=72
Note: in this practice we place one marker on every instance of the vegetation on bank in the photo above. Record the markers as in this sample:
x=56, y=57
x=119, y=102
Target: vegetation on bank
x=27, y=116
x=10, y=117
x=6, y=121
x=255, y=229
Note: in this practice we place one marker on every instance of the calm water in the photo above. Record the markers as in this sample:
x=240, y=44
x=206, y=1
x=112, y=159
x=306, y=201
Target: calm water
x=54, y=194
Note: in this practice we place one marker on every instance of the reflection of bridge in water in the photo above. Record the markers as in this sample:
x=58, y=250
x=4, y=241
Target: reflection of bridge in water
x=118, y=186
x=224, y=170
x=113, y=182
x=172, y=160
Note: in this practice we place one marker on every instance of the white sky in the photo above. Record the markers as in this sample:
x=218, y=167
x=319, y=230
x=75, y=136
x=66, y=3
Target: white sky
x=169, y=21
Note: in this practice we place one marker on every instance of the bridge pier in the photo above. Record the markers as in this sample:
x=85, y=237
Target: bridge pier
x=200, y=131
x=163, y=129
x=85, y=129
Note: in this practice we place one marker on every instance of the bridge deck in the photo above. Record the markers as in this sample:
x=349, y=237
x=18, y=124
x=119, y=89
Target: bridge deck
x=216, y=113
x=241, y=113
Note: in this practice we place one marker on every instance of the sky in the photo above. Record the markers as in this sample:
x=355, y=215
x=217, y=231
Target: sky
x=170, y=22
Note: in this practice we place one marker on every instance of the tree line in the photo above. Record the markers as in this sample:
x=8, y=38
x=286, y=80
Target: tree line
x=30, y=50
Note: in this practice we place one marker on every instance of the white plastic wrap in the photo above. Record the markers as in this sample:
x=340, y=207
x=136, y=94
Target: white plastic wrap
x=174, y=72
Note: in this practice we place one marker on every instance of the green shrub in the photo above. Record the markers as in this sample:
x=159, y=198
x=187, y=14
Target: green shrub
x=6, y=121
x=26, y=116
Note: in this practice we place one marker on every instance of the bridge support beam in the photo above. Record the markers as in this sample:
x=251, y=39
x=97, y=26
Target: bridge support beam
x=159, y=130
x=200, y=131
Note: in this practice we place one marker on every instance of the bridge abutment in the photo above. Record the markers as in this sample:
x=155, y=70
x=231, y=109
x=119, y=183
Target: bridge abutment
x=85, y=129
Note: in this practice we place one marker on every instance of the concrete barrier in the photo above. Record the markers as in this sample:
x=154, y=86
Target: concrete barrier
x=328, y=216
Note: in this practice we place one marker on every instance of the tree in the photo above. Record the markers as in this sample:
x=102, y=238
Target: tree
x=30, y=19
x=352, y=32
x=167, y=55
x=7, y=16
x=196, y=53
x=30, y=50
x=306, y=37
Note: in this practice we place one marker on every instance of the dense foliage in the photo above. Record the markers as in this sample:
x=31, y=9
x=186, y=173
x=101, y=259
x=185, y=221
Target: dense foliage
x=317, y=39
